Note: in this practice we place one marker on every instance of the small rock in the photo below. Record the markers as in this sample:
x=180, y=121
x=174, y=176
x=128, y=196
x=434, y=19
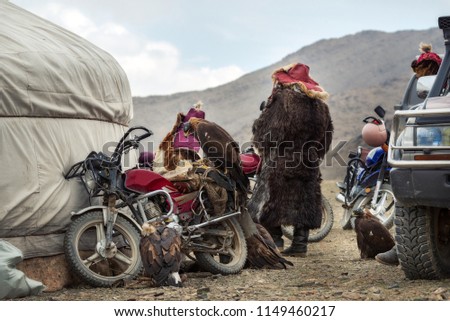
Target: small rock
x=440, y=291
x=203, y=290
x=352, y=296
x=375, y=290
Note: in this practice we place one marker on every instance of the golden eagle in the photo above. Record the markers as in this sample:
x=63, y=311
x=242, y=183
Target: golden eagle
x=372, y=236
x=160, y=249
x=220, y=148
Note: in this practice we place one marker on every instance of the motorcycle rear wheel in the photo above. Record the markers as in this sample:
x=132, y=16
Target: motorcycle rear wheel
x=319, y=234
x=229, y=235
x=89, y=259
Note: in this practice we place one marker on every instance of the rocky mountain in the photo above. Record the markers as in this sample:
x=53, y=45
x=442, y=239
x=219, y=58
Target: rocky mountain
x=359, y=71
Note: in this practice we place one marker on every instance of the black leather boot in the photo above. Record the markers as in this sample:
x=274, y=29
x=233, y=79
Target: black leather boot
x=277, y=235
x=299, y=243
x=389, y=258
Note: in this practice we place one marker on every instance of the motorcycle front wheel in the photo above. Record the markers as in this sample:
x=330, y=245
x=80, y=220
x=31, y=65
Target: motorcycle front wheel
x=346, y=219
x=93, y=262
x=320, y=233
x=224, y=248
x=384, y=209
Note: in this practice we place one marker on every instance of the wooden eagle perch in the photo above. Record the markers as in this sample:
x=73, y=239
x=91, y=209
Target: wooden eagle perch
x=372, y=236
x=219, y=147
x=160, y=249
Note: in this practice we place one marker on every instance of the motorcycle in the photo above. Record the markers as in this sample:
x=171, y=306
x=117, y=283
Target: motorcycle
x=251, y=164
x=102, y=241
x=367, y=183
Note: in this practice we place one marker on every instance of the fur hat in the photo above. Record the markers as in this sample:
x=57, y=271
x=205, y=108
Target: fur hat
x=296, y=76
x=427, y=54
x=195, y=111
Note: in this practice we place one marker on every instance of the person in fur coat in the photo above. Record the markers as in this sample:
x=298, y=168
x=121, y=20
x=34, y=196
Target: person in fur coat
x=292, y=134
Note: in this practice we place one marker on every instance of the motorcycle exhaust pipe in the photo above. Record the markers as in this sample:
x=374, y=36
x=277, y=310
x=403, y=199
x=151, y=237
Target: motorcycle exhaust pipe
x=192, y=228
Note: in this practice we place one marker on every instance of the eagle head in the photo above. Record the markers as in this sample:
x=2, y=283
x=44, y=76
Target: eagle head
x=187, y=127
x=362, y=212
x=148, y=229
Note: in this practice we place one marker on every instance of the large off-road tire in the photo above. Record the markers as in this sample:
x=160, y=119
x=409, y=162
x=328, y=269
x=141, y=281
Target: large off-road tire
x=228, y=234
x=384, y=211
x=319, y=234
x=91, y=262
x=423, y=241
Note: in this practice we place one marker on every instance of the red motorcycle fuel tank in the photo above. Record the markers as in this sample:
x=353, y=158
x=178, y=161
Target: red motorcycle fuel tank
x=144, y=181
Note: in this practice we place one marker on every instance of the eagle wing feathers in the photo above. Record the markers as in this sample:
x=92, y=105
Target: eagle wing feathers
x=161, y=255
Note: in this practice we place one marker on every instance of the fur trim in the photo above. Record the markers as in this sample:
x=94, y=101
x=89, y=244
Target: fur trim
x=299, y=85
x=424, y=47
x=198, y=105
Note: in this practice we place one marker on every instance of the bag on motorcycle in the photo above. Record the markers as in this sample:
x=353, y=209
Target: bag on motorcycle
x=218, y=187
x=184, y=178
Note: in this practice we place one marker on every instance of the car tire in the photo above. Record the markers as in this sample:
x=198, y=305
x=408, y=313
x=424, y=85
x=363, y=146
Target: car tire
x=422, y=238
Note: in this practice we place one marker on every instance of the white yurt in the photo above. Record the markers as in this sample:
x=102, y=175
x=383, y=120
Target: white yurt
x=60, y=98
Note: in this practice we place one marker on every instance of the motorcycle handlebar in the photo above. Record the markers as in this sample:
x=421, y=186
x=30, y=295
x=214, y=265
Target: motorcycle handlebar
x=124, y=144
x=371, y=119
x=101, y=160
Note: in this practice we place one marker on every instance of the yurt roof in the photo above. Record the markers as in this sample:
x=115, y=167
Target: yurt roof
x=47, y=71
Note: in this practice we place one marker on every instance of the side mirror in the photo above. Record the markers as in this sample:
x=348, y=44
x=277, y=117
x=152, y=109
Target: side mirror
x=424, y=85
x=380, y=111
x=262, y=106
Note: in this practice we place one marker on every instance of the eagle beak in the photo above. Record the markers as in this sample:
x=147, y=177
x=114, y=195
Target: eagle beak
x=186, y=126
x=358, y=212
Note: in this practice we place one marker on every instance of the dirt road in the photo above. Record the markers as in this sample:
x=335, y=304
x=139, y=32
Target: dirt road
x=332, y=271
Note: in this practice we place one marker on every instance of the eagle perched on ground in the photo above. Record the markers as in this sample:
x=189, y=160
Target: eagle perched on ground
x=220, y=148
x=372, y=236
x=160, y=249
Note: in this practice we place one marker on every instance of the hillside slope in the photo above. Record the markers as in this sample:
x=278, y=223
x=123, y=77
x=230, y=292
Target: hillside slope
x=359, y=71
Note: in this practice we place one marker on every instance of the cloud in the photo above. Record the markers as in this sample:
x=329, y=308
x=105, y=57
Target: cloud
x=152, y=67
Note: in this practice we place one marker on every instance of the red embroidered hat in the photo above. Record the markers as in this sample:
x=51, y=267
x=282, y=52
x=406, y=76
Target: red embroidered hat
x=297, y=76
x=195, y=111
x=430, y=56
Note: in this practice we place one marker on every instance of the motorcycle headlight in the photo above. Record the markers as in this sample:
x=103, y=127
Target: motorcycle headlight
x=89, y=180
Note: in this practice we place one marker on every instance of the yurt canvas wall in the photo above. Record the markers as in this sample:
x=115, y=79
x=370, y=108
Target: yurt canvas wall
x=60, y=98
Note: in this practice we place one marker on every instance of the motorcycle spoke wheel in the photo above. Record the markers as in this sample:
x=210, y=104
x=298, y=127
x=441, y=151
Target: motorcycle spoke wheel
x=92, y=261
x=384, y=209
x=227, y=253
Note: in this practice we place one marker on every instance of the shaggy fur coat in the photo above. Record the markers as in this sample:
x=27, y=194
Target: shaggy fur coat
x=292, y=134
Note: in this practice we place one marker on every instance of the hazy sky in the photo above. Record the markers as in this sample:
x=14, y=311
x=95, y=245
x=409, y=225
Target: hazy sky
x=168, y=46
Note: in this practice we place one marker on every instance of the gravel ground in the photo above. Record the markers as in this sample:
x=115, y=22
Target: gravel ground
x=332, y=271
